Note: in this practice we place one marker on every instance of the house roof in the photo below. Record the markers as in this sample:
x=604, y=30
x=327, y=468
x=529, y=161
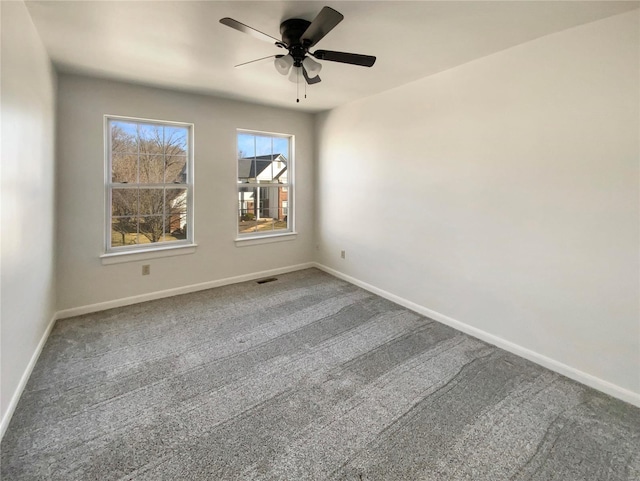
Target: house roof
x=248, y=169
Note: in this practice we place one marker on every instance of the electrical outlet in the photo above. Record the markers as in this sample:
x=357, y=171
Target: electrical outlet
x=343, y=254
x=146, y=270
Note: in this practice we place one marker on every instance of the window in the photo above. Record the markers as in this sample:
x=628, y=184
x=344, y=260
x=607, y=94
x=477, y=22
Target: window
x=149, y=184
x=265, y=179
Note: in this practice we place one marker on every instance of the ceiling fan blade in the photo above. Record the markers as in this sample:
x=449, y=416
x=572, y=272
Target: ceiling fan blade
x=344, y=57
x=258, y=60
x=321, y=25
x=230, y=22
x=310, y=81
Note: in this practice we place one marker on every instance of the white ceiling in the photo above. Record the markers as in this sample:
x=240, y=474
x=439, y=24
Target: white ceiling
x=182, y=45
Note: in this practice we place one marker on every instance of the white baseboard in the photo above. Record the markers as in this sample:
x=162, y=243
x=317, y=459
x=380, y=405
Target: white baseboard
x=6, y=419
x=568, y=371
x=127, y=301
x=544, y=361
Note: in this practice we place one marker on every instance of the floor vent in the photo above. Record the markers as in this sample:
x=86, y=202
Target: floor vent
x=264, y=281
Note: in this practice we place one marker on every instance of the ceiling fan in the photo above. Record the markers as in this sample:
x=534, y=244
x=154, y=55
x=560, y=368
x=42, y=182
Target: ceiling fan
x=298, y=36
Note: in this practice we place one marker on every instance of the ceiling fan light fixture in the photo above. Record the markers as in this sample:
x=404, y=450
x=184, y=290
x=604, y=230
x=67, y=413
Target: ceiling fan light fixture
x=298, y=37
x=283, y=64
x=312, y=67
x=296, y=74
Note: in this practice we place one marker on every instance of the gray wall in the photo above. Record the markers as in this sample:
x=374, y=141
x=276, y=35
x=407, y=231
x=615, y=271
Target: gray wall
x=502, y=194
x=28, y=198
x=82, y=279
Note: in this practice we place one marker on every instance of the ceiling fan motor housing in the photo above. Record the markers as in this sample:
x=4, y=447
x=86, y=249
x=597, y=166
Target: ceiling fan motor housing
x=298, y=36
x=291, y=31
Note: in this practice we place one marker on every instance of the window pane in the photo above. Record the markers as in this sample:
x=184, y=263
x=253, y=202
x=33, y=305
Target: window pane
x=151, y=228
x=271, y=219
x=151, y=201
x=124, y=231
x=175, y=140
x=264, y=145
x=271, y=169
x=175, y=226
x=283, y=177
x=274, y=198
x=279, y=221
x=252, y=145
x=246, y=204
x=124, y=202
x=265, y=224
x=262, y=158
x=176, y=214
x=168, y=238
x=246, y=169
x=176, y=200
x=124, y=137
x=124, y=168
x=176, y=169
x=150, y=139
x=282, y=203
x=247, y=226
x=246, y=145
x=281, y=146
x=269, y=198
x=151, y=169
x=263, y=213
x=262, y=201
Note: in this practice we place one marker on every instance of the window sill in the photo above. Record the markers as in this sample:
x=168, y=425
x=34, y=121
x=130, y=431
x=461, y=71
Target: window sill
x=265, y=239
x=141, y=255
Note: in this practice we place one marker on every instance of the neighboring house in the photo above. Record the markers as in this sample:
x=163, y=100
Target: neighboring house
x=178, y=215
x=271, y=202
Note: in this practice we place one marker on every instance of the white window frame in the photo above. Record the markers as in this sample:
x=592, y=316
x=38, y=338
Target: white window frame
x=115, y=254
x=251, y=238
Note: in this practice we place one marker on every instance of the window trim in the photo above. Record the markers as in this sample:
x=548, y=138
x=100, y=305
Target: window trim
x=143, y=255
x=112, y=255
x=252, y=238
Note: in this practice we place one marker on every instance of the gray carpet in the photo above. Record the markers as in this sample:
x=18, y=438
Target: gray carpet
x=305, y=378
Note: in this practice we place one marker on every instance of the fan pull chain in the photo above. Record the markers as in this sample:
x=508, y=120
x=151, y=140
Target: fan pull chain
x=305, y=89
x=298, y=85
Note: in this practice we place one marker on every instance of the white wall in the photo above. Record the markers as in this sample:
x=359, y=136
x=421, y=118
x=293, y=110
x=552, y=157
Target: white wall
x=28, y=200
x=503, y=194
x=82, y=279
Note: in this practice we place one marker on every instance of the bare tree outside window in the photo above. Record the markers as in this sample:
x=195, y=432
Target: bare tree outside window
x=149, y=189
